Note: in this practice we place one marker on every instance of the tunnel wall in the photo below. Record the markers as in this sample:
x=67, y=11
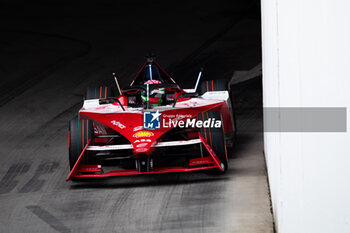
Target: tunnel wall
x=306, y=63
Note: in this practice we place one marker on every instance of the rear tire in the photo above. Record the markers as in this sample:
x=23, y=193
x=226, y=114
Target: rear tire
x=213, y=85
x=80, y=132
x=215, y=137
x=99, y=92
x=222, y=85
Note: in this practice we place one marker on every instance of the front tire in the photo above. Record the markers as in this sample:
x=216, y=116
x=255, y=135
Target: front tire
x=80, y=132
x=215, y=137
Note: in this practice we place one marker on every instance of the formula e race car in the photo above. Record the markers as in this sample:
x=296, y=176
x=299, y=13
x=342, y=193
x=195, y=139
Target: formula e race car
x=152, y=126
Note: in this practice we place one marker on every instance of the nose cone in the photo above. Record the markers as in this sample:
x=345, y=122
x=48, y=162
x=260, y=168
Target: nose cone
x=144, y=142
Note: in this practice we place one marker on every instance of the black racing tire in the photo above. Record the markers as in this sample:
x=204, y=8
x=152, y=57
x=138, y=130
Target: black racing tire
x=215, y=137
x=80, y=132
x=222, y=85
x=213, y=85
x=99, y=92
x=234, y=121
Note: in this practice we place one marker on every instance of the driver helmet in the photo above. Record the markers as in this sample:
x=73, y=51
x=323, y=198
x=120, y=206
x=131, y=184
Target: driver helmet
x=155, y=96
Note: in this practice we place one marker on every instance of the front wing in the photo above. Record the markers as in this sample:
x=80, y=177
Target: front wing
x=81, y=170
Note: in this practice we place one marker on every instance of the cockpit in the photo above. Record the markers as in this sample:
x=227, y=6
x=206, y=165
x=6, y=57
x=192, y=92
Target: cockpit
x=152, y=86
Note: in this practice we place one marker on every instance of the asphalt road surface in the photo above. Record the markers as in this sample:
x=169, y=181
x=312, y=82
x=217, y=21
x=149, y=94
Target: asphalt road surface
x=48, y=58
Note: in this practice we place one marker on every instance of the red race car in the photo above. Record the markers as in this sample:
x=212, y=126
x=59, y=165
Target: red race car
x=152, y=126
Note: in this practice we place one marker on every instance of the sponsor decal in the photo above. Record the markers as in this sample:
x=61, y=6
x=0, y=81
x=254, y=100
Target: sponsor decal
x=142, y=140
x=118, y=124
x=141, y=150
x=151, y=120
x=142, y=144
x=102, y=107
x=143, y=134
x=137, y=128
